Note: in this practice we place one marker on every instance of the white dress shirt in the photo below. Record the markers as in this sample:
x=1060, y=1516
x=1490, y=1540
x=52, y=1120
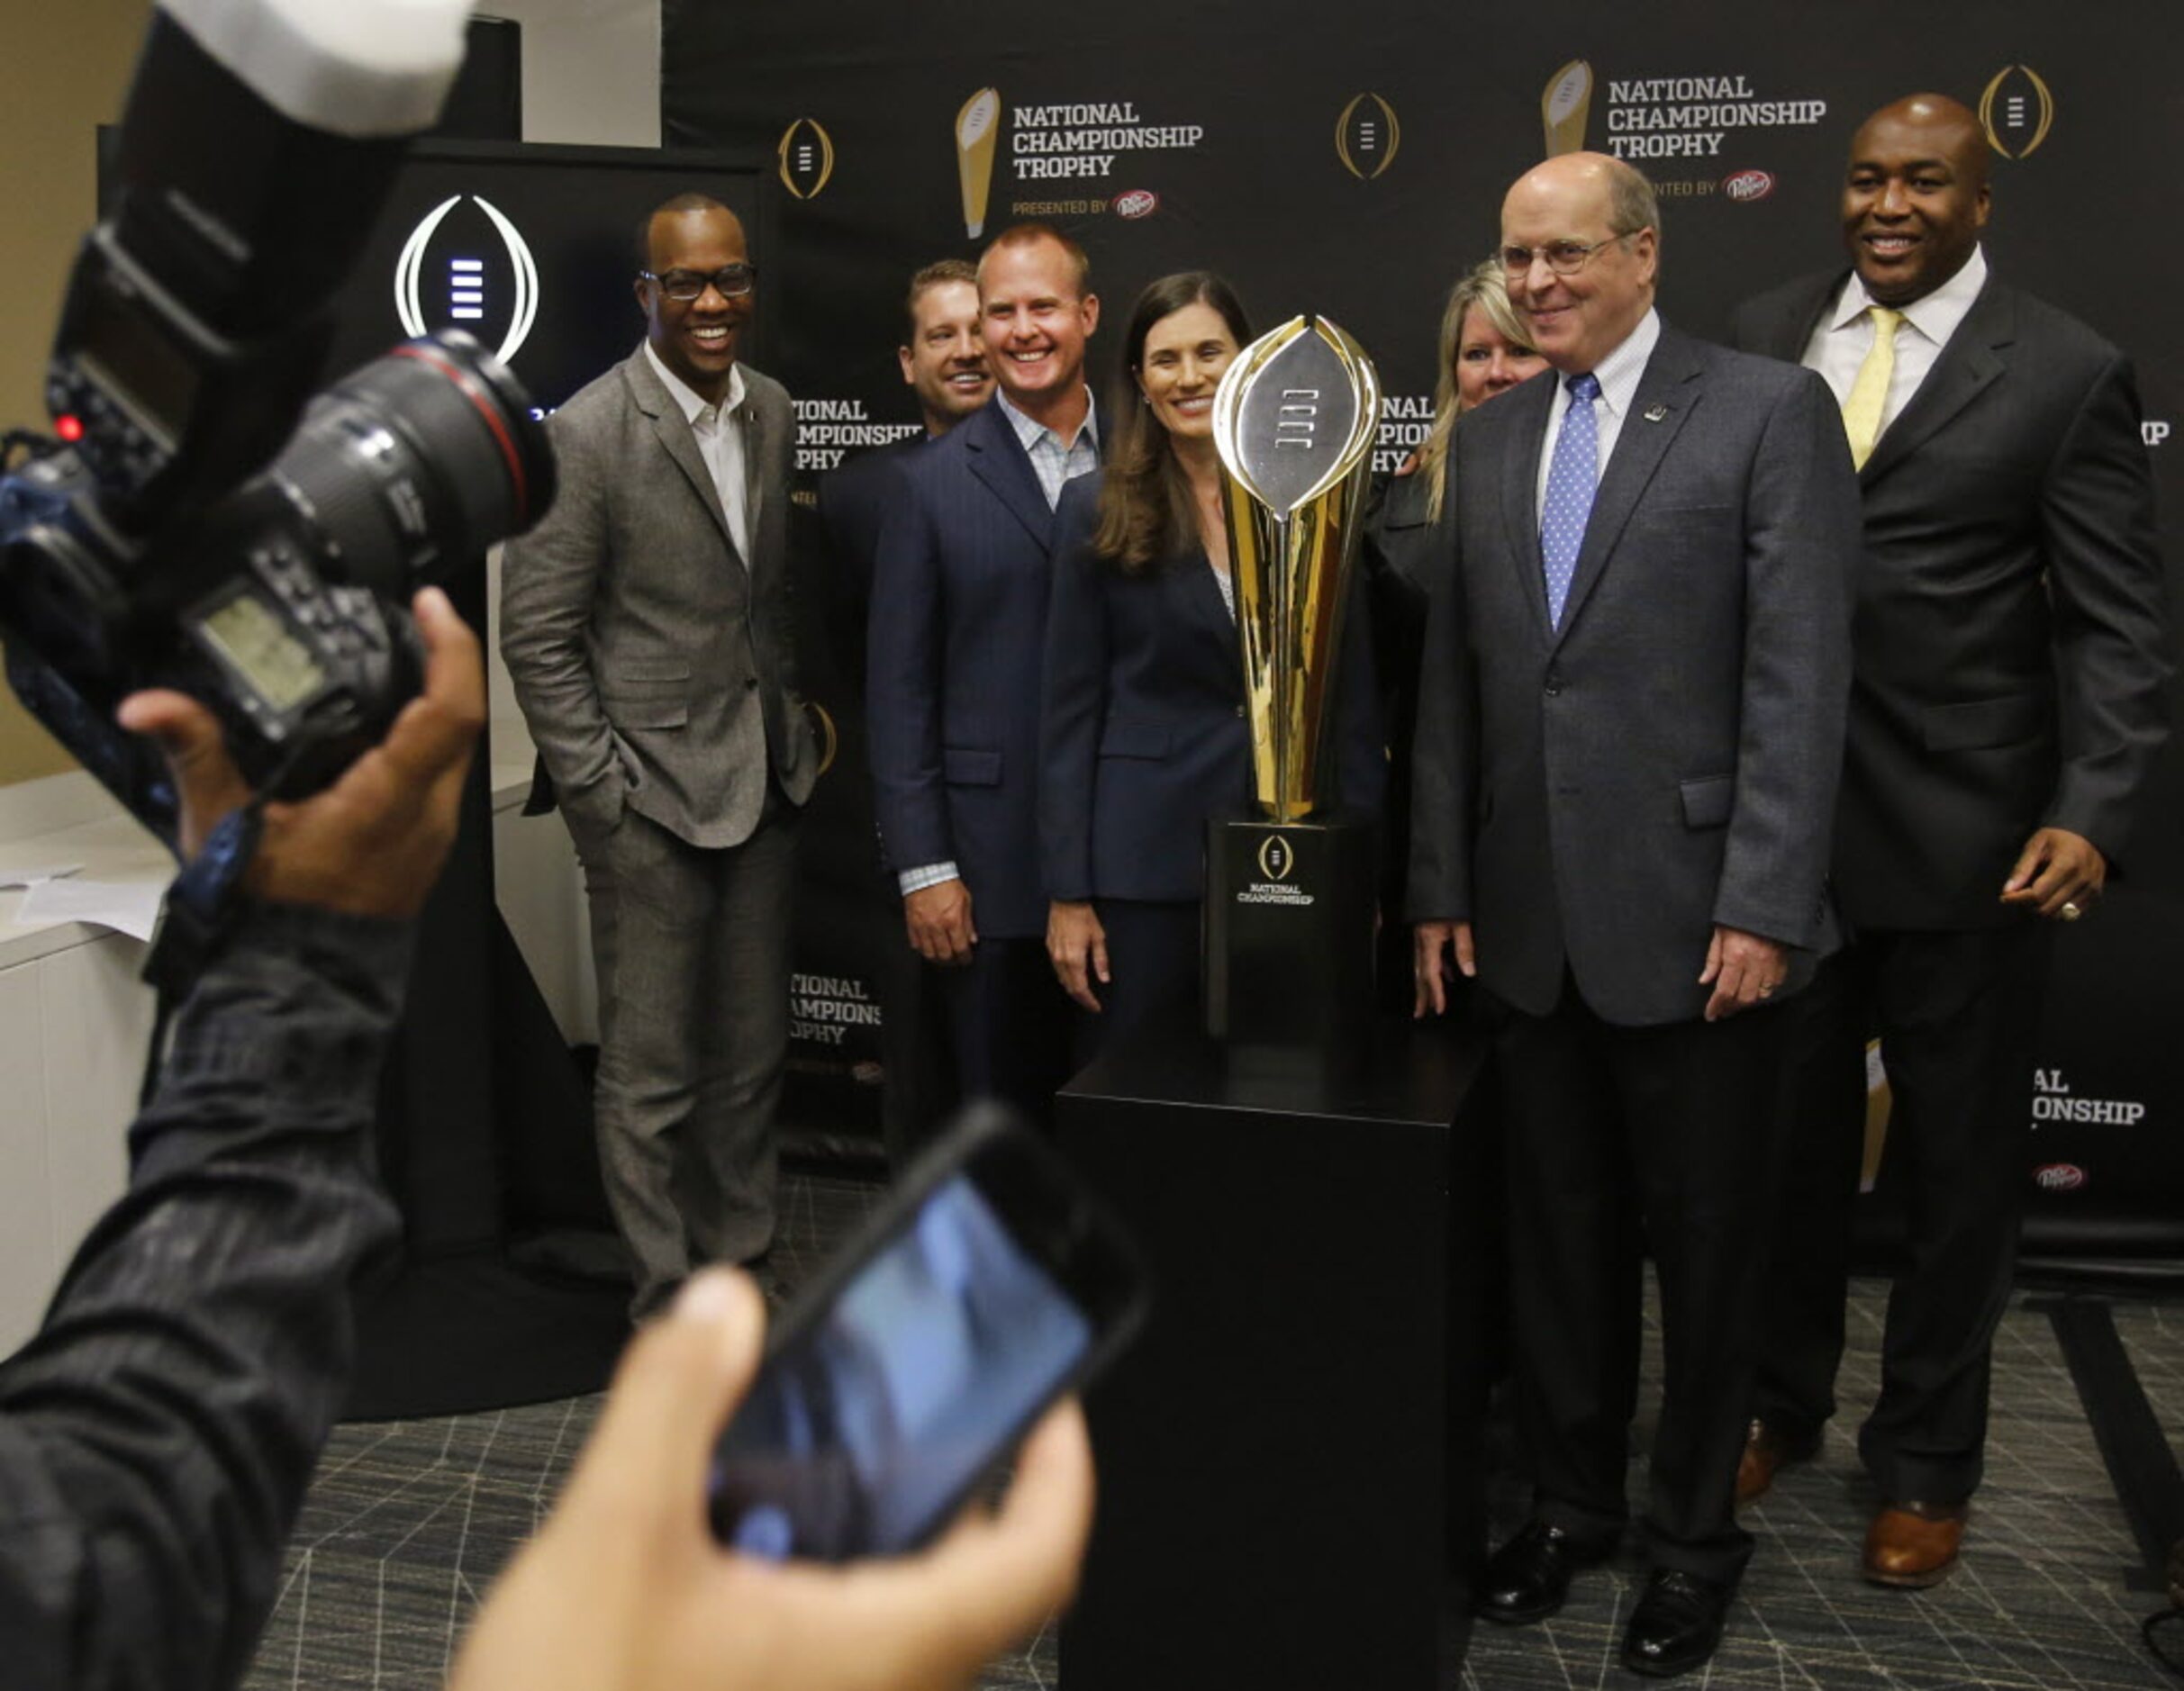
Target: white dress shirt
x=1845, y=335
x=1619, y=374
x=719, y=432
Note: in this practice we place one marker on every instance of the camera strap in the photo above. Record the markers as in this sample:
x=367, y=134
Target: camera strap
x=202, y=904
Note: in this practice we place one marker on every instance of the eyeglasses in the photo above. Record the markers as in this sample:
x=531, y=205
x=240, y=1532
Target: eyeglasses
x=732, y=281
x=1565, y=258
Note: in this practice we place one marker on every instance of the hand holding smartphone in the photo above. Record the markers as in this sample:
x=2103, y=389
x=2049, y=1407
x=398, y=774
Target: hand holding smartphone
x=989, y=1282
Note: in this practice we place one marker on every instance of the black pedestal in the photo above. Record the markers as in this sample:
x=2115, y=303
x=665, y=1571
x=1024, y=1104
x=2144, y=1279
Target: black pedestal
x=1288, y=941
x=1288, y=1476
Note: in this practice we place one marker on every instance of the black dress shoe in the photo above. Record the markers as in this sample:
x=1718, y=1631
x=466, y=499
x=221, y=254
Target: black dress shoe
x=1527, y=1577
x=1676, y=1625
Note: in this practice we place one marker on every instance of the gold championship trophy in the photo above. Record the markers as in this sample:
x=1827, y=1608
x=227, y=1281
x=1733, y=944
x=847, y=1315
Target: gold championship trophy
x=1565, y=107
x=1290, y=895
x=977, y=132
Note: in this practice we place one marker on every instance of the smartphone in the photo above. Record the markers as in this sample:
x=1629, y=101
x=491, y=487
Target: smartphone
x=989, y=1282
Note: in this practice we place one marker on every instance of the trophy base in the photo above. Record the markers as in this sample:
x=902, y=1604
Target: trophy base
x=1289, y=942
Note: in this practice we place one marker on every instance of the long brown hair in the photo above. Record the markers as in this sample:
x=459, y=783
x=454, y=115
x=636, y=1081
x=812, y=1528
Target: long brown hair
x=1483, y=286
x=1146, y=509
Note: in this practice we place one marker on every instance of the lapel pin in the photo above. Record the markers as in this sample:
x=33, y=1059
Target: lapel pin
x=1655, y=413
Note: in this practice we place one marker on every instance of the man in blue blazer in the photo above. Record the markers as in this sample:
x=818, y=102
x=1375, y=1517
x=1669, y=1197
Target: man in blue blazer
x=959, y=627
x=2011, y=666
x=1629, y=727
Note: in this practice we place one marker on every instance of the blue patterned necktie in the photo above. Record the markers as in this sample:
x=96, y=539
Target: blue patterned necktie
x=1572, y=477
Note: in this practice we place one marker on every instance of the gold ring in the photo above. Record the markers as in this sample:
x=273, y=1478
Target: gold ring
x=2071, y=911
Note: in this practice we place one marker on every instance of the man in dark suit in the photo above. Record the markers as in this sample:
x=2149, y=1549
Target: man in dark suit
x=646, y=623
x=958, y=627
x=944, y=363
x=1628, y=736
x=2009, y=669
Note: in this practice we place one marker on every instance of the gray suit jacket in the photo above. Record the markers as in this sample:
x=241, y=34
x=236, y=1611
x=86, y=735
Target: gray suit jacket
x=1601, y=795
x=655, y=668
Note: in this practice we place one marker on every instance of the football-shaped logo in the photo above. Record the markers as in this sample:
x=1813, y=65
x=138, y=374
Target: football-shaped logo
x=466, y=267
x=1748, y=184
x=1137, y=203
x=2017, y=111
x=807, y=158
x=1366, y=136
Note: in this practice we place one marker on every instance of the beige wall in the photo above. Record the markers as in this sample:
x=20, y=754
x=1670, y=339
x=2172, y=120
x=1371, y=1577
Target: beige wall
x=63, y=74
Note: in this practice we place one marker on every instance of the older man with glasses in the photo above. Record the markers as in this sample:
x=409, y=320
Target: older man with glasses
x=1628, y=731
x=647, y=628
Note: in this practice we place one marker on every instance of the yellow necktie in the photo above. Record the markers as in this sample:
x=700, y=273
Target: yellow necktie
x=1869, y=394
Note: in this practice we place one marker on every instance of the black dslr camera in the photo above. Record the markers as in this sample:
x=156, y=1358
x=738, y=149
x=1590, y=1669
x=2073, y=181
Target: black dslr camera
x=170, y=537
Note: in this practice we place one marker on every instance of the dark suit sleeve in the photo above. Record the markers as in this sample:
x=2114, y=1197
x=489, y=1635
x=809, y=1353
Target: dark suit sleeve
x=2105, y=577
x=1444, y=747
x=903, y=681
x=157, y=1432
x=548, y=578
x=849, y=510
x=1361, y=723
x=1073, y=692
x=1802, y=538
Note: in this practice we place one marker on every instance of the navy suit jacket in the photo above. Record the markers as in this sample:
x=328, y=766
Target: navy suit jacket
x=2011, y=642
x=952, y=697
x=854, y=501
x=1143, y=735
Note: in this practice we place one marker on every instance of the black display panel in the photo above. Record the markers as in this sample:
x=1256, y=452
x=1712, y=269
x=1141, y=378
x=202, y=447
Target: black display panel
x=537, y=241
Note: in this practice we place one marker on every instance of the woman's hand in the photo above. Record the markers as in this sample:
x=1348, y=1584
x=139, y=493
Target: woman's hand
x=1077, y=945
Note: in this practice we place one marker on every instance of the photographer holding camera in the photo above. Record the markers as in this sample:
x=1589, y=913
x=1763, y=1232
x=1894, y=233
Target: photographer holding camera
x=156, y=1434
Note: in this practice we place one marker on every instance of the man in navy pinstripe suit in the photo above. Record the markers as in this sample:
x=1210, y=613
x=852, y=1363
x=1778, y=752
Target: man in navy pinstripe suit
x=959, y=627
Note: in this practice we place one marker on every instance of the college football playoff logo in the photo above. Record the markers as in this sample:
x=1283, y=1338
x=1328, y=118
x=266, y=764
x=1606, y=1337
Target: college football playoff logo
x=807, y=158
x=2017, y=111
x=473, y=287
x=1277, y=858
x=1366, y=136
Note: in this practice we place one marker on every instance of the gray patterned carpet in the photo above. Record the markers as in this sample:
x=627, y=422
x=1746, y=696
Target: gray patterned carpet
x=408, y=1521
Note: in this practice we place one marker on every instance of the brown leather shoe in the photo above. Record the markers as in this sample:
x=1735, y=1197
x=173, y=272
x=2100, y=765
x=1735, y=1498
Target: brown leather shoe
x=1768, y=1447
x=1913, y=1545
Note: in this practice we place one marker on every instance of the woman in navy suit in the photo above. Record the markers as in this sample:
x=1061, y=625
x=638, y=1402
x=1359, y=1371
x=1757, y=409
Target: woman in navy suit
x=1142, y=733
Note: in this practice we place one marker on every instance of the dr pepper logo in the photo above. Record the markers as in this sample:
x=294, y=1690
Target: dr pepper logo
x=2059, y=1176
x=1748, y=184
x=1137, y=203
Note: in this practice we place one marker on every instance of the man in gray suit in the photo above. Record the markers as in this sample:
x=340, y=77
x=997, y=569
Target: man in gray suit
x=646, y=623
x=1629, y=729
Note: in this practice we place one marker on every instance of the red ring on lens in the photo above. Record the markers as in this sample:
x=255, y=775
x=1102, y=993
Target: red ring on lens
x=484, y=407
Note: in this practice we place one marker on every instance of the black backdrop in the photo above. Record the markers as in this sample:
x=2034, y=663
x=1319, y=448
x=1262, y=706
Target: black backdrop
x=1351, y=162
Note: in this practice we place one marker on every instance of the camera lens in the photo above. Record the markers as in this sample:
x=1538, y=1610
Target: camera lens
x=416, y=463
